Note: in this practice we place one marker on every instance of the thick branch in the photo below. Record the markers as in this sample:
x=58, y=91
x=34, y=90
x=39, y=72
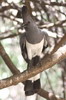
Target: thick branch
x=13, y=69
x=8, y=61
x=16, y=71
x=48, y=62
x=11, y=66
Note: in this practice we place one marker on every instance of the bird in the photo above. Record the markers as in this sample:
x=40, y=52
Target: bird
x=34, y=44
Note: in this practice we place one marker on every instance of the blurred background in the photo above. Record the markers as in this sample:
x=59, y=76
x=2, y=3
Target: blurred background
x=44, y=12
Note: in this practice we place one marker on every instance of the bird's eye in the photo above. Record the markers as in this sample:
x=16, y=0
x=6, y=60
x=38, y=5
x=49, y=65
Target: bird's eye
x=28, y=22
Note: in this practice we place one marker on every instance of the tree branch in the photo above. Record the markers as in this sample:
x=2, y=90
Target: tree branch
x=57, y=24
x=59, y=44
x=12, y=66
x=9, y=63
x=50, y=3
x=48, y=95
x=7, y=60
x=10, y=35
x=48, y=62
x=55, y=4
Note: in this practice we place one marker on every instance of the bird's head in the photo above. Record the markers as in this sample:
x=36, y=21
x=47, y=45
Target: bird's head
x=24, y=9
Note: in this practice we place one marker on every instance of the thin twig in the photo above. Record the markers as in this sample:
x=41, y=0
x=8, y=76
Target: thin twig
x=58, y=23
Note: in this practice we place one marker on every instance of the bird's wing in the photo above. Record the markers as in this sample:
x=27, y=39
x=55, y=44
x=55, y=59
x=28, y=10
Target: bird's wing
x=49, y=44
x=23, y=47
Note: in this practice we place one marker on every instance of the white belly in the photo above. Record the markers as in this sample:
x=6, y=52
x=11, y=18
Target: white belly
x=34, y=49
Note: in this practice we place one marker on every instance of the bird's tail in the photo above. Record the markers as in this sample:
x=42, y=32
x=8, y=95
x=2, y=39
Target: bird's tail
x=31, y=87
x=31, y=97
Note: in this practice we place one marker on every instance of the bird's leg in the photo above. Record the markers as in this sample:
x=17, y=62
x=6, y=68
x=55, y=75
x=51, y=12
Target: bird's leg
x=30, y=64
